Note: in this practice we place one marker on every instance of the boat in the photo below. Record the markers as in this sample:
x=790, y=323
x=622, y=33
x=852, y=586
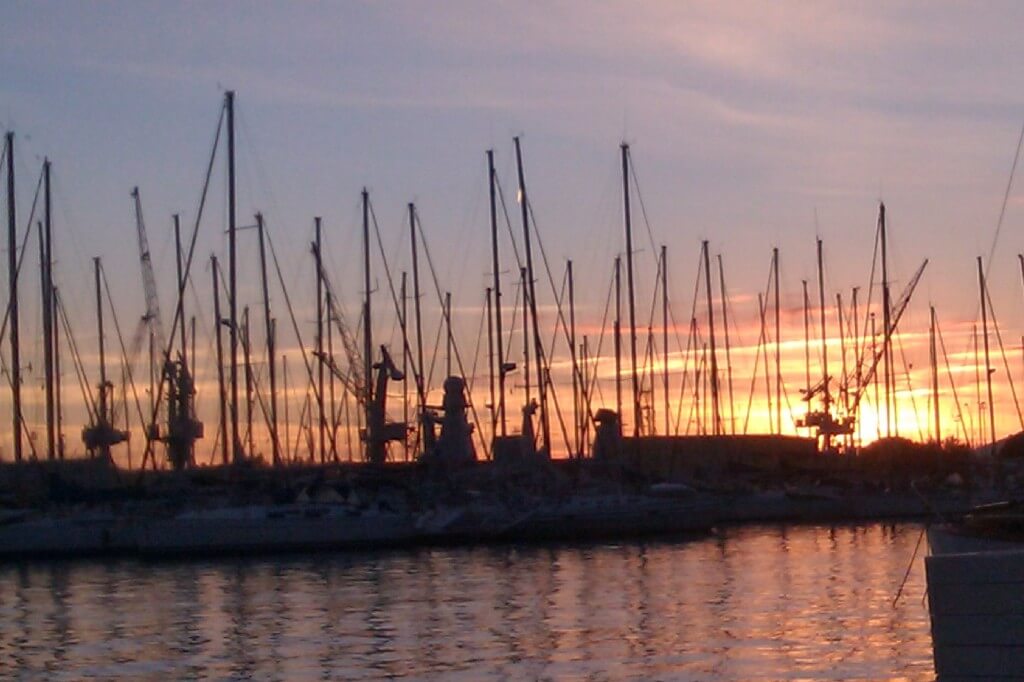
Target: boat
x=975, y=578
x=274, y=528
x=25, y=535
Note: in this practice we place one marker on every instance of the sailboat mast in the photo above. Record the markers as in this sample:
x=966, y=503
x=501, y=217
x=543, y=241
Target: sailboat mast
x=420, y=389
x=618, y=340
x=716, y=419
x=807, y=337
x=449, y=341
x=218, y=322
x=247, y=363
x=180, y=280
x=496, y=267
x=489, y=305
x=664, y=338
x=728, y=351
x=12, y=290
x=988, y=367
x=58, y=404
x=48, y=315
x=275, y=442
x=778, y=341
x=890, y=398
x=236, y=443
x=538, y=346
x=367, y=319
x=577, y=415
x=322, y=421
x=102, y=416
x=405, y=360
x=934, y=357
x=826, y=395
x=627, y=215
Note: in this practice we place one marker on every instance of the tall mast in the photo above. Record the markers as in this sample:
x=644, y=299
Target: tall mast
x=844, y=387
x=247, y=364
x=728, y=353
x=716, y=418
x=874, y=354
x=490, y=356
x=629, y=287
x=221, y=390
x=496, y=267
x=807, y=338
x=857, y=378
x=275, y=442
x=405, y=361
x=322, y=421
x=988, y=366
x=826, y=396
x=12, y=283
x=236, y=444
x=449, y=341
x=890, y=398
x=977, y=383
x=778, y=342
x=287, y=398
x=538, y=344
x=576, y=409
x=763, y=343
x=421, y=395
x=367, y=321
x=102, y=418
x=48, y=316
x=618, y=340
x=58, y=406
x=179, y=269
x=934, y=357
x=526, y=337
x=664, y=337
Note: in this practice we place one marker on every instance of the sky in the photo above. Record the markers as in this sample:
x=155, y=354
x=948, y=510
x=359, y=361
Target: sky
x=751, y=125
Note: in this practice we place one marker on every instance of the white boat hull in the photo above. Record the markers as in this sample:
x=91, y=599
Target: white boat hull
x=976, y=602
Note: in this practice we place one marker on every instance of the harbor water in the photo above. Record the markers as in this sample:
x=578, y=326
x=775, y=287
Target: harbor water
x=754, y=603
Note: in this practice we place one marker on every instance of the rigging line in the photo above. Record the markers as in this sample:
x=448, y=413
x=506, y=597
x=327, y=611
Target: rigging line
x=558, y=301
x=1006, y=200
x=21, y=255
x=179, y=306
x=592, y=375
x=76, y=361
x=865, y=333
x=434, y=356
x=508, y=221
x=391, y=287
x=1002, y=351
x=560, y=318
x=952, y=382
x=689, y=334
x=124, y=352
x=686, y=368
x=294, y=321
x=476, y=351
x=757, y=361
x=447, y=317
x=515, y=315
x=640, y=199
x=910, y=389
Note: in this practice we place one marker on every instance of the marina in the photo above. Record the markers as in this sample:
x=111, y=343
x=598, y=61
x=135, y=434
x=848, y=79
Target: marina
x=675, y=341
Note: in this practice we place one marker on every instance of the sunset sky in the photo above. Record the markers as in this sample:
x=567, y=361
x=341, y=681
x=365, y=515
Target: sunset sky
x=752, y=125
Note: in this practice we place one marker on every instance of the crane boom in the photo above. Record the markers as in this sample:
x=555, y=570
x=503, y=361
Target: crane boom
x=897, y=312
x=151, y=319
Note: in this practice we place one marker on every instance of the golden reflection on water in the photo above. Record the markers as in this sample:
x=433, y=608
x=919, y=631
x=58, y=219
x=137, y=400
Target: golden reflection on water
x=764, y=603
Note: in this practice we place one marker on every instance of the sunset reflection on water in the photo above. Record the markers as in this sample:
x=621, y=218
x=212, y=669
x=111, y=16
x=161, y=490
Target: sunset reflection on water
x=759, y=603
